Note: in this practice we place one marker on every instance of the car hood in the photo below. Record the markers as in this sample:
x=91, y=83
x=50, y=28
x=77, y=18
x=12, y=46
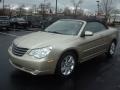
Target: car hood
x=42, y=39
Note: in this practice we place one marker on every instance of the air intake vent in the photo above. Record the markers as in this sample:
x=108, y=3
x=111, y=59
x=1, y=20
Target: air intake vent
x=18, y=51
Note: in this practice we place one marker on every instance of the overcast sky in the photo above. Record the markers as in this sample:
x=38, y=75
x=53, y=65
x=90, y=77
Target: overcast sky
x=87, y=4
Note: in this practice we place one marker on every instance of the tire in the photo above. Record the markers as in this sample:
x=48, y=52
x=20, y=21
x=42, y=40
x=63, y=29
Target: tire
x=14, y=26
x=66, y=65
x=111, y=50
x=24, y=27
x=8, y=28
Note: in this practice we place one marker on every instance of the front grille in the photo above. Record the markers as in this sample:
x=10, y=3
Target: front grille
x=18, y=51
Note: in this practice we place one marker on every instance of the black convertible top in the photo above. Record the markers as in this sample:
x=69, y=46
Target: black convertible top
x=95, y=20
x=90, y=20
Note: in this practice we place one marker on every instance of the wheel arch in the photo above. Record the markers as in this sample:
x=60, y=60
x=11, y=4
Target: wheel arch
x=74, y=51
x=115, y=40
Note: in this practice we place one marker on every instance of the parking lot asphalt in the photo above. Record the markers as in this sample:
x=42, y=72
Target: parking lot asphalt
x=99, y=73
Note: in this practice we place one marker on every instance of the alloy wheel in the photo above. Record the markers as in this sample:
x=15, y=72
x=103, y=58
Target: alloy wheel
x=67, y=65
x=112, y=48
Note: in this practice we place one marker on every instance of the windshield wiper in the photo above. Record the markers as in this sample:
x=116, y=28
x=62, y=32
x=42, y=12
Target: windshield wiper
x=54, y=32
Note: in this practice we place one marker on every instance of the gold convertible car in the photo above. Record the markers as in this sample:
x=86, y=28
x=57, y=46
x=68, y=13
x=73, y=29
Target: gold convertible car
x=62, y=45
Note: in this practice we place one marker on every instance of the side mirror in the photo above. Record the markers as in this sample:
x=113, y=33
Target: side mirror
x=88, y=33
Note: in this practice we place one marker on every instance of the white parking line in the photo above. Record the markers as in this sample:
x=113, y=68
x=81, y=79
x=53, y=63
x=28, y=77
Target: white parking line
x=8, y=34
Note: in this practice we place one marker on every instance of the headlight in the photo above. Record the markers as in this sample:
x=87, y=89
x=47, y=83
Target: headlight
x=40, y=52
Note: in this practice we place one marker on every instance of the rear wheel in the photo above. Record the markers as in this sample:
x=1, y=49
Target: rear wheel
x=66, y=65
x=112, y=49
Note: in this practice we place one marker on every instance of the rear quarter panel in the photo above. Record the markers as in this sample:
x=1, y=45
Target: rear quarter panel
x=113, y=33
x=110, y=35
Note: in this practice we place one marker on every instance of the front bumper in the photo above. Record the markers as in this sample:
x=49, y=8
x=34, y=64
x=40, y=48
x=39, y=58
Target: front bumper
x=4, y=26
x=31, y=65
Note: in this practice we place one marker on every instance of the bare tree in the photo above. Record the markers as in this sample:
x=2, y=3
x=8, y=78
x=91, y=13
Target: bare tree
x=107, y=7
x=20, y=10
x=67, y=11
x=76, y=5
x=34, y=8
x=45, y=7
x=115, y=13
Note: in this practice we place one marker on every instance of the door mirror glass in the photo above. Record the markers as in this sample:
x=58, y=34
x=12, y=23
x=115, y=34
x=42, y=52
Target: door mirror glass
x=88, y=33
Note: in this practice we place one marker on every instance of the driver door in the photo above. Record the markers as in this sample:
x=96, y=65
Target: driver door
x=92, y=45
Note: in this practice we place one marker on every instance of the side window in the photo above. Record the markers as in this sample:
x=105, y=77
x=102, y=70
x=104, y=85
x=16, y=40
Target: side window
x=94, y=27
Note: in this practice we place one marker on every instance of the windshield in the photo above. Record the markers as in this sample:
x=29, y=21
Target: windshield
x=4, y=18
x=20, y=19
x=68, y=27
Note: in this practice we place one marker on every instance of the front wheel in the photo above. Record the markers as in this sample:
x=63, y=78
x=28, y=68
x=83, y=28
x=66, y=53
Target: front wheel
x=66, y=65
x=112, y=49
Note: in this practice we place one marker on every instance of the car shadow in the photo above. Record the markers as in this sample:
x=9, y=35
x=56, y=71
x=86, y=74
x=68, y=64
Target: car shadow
x=85, y=74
